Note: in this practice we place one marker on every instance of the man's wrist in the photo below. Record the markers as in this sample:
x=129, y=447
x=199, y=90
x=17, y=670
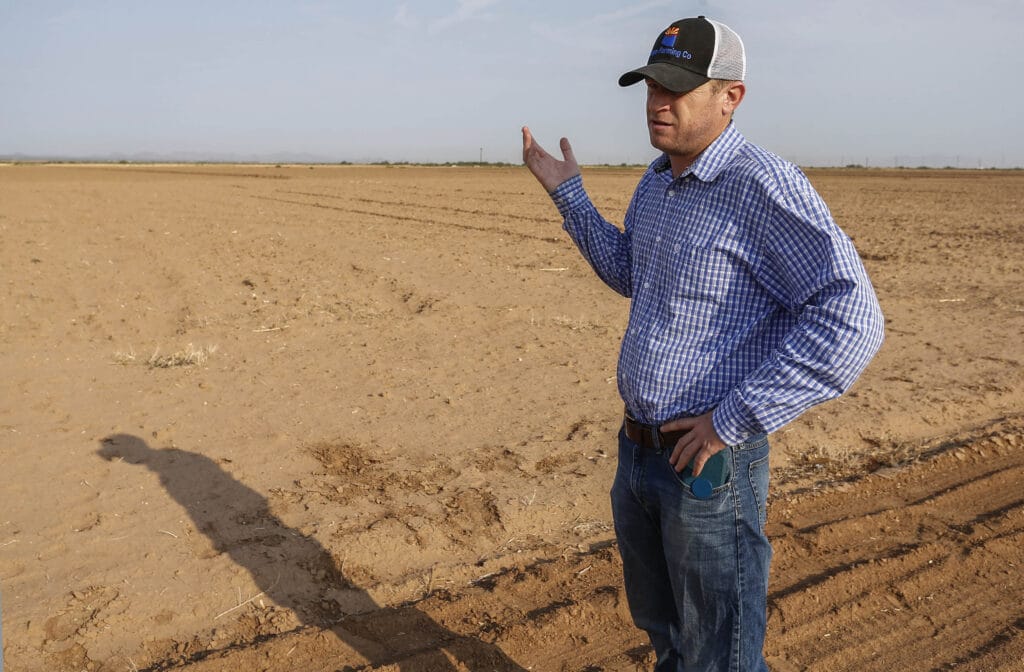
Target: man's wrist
x=569, y=194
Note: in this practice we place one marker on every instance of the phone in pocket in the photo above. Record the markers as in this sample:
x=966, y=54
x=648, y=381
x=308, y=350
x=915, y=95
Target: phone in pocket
x=716, y=472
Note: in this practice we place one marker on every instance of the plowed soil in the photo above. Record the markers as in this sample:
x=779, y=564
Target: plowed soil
x=363, y=418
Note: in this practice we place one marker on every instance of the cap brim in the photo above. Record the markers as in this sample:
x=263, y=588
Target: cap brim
x=672, y=77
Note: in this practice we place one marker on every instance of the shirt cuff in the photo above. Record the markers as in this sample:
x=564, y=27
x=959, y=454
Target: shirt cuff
x=728, y=423
x=569, y=195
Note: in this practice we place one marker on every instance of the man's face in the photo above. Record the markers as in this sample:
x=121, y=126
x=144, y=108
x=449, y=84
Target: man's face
x=683, y=125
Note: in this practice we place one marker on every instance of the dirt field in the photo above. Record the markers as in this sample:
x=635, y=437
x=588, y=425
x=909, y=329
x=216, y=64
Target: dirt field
x=350, y=418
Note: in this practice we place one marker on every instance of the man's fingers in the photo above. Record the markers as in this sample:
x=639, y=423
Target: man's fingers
x=683, y=453
x=528, y=141
x=681, y=423
x=691, y=449
x=686, y=446
x=699, y=460
x=693, y=454
x=529, y=146
x=567, y=153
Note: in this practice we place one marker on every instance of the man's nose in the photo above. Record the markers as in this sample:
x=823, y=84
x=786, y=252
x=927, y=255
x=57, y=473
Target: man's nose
x=658, y=99
x=657, y=95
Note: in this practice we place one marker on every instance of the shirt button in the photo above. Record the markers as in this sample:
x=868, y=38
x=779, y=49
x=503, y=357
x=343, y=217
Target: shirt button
x=678, y=247
x=658, y=239
x=647, y=285
x=671, y=192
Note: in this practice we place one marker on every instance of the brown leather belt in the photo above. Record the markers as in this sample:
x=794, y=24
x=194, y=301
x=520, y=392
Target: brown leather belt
x=650, y=436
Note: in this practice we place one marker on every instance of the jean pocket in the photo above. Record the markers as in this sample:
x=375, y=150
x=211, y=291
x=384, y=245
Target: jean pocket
x=756, y=442
x=681, y=480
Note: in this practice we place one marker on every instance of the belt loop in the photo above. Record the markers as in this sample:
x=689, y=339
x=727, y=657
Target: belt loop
x=655, y=437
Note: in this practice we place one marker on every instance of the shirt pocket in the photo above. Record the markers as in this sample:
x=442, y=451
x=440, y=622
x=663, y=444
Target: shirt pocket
x=702, y=276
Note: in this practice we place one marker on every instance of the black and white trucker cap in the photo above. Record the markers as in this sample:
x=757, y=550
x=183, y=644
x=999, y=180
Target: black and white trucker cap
x=689, y=53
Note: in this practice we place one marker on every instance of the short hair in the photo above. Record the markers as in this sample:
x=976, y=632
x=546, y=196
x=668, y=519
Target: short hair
x=718, y=85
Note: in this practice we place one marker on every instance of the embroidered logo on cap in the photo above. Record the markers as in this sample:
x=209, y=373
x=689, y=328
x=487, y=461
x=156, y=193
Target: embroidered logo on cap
x=668, y=45
x=670, y=37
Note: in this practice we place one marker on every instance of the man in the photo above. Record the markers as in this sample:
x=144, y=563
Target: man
x=748, y=305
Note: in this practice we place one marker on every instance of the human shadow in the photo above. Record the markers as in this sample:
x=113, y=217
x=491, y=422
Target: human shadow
x=296, y=572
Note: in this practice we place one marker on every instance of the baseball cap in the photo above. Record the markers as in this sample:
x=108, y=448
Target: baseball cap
x=690, y=52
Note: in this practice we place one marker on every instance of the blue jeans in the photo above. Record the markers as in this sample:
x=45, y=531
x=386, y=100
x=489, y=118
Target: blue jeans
x=696, y=571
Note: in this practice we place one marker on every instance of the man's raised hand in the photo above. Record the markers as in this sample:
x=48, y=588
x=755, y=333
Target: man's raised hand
x=548, y=170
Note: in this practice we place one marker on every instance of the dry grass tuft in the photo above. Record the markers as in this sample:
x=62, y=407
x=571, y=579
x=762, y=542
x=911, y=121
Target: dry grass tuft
x=124, y=358
x=822, y=466
x=190, y=356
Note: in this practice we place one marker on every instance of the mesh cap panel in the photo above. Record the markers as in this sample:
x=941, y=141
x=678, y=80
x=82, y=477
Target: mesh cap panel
x=729, y=60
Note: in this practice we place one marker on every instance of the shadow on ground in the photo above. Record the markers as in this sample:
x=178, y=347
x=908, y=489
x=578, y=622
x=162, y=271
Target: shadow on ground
x=297, y=573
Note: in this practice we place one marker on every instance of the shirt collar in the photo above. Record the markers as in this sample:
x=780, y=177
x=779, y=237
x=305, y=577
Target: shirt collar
x=713, y=160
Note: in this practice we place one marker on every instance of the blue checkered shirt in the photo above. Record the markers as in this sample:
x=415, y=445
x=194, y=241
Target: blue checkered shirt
x=746, y=297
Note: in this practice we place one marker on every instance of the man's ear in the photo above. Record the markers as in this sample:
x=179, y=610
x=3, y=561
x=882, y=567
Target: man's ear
x=733, y=96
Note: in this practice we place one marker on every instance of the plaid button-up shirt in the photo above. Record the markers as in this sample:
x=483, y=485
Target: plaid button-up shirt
x=746, y=297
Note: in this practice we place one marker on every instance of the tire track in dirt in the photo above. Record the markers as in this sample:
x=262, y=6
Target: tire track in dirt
x=393, y=217
x=909, y=569
x=490, y=213
x=919, y=569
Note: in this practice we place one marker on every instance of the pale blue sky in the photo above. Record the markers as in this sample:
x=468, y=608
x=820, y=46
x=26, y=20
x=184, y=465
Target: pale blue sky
x=829, y=82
